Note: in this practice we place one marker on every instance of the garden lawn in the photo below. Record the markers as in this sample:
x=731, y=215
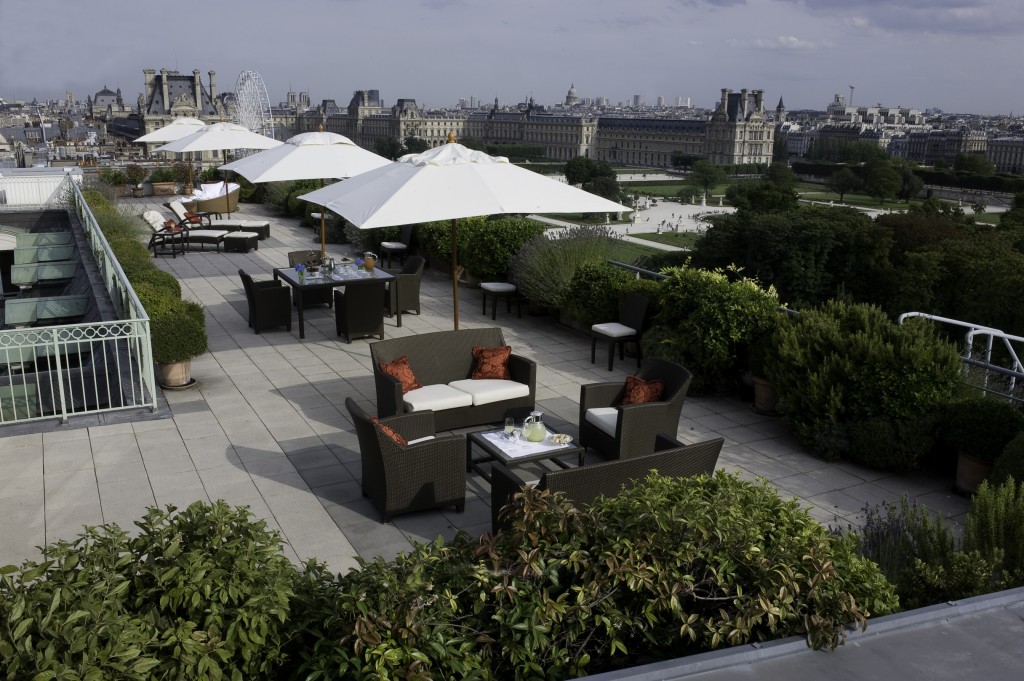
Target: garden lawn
x=679, y=239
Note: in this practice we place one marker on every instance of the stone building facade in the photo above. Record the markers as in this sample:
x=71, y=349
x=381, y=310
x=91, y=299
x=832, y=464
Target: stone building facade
x=740, y=130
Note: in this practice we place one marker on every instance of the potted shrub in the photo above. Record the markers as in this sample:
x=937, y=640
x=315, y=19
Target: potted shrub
x=135, y=175
x=164, y=181
x=178, y=329
x=978, y=430
x=114, y=177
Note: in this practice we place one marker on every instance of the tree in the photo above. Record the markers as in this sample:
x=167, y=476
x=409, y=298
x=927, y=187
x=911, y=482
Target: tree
x=782, y=176
x=580, y=170
x=415, y=145
x=843, y=181
x=780, y=149
x=388, y=147
x=705, y=175
x=881, y=180
x=911, y=184
x=761, y=197
x=973, y=163
x=608, y=187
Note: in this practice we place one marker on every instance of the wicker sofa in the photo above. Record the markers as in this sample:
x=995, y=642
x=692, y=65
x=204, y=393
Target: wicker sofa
x=217, y=201
x=582, y=485
x=442, y=358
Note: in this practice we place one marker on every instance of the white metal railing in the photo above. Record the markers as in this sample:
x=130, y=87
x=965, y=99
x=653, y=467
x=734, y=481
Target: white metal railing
x=76, y=369
x=981, y=345
x=36, y=190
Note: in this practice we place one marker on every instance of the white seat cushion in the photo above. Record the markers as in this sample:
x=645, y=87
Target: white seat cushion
x=604, y=418
x=498, y=287
x=207, y=233
x=487, y=390
x=241, y=235
x=220, y=222
x=437, y=397
x=392, y=245
x=613, y=330
x=420, y=439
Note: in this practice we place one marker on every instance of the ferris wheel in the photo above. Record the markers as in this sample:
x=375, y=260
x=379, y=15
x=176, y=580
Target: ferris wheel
x=252, y=105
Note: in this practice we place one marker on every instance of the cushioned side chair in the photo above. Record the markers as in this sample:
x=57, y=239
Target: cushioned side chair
x=400, y=247
x=405, y=296
x=314, y=296
x=359, y=310
x=430, y=472
x=629, y=328
x=270, y=303
x=624, y=431
x=582, y=486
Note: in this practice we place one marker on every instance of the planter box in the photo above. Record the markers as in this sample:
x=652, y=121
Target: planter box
x=164, y=188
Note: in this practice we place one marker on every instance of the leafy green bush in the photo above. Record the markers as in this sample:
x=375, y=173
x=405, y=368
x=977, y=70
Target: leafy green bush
x=491, y=245
x=1010, y=463
x=113, y=177
x=707, y=322
x=544, y=266
x=995, y=528
x=200, y=594
x=656, y=262
x=163, y=174
x=593, y=295
x=210, y=175
x=178, y=327
x=135, y=174
x=980, y=427
x=296, y=206
x=843, y=364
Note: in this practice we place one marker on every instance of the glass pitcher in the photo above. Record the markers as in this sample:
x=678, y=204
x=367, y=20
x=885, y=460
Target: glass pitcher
x=369, y=260
x=533, y=427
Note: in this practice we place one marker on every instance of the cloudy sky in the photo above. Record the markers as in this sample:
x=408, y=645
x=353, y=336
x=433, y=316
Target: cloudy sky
x=957, y=55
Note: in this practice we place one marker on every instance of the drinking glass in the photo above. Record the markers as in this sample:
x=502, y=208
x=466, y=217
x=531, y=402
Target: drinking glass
x=510, y=426
x=517, y=434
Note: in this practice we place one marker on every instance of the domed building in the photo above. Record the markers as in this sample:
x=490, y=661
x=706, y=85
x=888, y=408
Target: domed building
x=571, y=98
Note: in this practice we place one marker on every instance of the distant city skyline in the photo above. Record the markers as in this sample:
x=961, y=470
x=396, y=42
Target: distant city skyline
x=946, y=54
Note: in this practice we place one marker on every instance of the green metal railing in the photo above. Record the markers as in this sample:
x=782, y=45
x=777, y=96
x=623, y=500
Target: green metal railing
x=76, y=369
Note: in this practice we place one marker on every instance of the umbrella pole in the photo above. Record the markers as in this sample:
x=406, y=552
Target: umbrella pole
x=323, y=224
x=455, y=274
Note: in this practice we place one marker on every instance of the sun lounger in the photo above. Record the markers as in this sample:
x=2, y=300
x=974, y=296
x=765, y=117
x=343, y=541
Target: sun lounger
x=260, y=227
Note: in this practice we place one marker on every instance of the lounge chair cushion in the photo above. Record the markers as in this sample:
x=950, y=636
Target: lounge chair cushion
x=487, y=390
x=436, y=398
x=604, y=418
x=613, y=330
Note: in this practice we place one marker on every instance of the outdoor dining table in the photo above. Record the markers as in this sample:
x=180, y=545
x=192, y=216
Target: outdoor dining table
x=340, y=277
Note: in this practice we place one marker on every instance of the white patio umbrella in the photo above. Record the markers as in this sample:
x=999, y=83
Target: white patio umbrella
x=220, y=137
x=174, y=130
x=447, y=183
x=308, y=156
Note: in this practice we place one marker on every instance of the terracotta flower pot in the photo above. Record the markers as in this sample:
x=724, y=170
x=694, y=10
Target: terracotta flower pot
x=765, y=397
x=175, y=374
x=970, y=472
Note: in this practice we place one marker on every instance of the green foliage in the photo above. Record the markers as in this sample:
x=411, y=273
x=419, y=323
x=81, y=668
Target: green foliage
x=135, y=174
x=705, y=176
x=491, y=244
x=882, y=180
x=296, y=206
x=886, y=443
x=210, y=175
x=545, y=265
x=178, y=327
x=656, y=262
x=164, y=174
x=200, y=594
x=980, y=427
x=847, y=363
x=1010, y=463
x=761, y=196
x=973, y=163
x=845, y=152
x=707, y=322
x=843, y=181
x=113, y=177
x=593, y=294
x=963, y=576
x=995, y=528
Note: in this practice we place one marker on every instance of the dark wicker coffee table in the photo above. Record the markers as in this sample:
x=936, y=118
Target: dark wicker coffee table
x=490, y=441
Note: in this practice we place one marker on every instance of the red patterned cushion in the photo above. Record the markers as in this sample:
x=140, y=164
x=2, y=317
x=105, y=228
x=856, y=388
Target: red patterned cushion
x=639, y=391
x=390, y=432
x=170, y=223
x=401, y=370
x=491, y=362
x=192, y=217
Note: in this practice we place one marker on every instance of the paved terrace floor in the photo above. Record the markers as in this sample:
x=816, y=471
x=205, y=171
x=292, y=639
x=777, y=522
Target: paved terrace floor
x=266, y=427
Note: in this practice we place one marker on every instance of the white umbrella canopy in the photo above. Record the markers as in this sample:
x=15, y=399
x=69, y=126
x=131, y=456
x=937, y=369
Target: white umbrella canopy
x=447, y=183
x=176, y=129
x=308, y=156
x=218, y=137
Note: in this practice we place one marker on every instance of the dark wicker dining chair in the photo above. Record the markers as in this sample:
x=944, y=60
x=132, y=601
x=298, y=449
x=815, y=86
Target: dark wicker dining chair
x=403, y=293
x=270, y=302
x=314, y=296
x=359, y=309
x=628, y=328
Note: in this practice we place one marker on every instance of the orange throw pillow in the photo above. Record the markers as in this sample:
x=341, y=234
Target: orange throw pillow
x=170, y=223
x=401, y=370
x=639, y=391
x=390, y=432
x=491, y=362
x=192, y=217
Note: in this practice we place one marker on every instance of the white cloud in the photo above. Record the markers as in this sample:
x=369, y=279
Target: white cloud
x=785, y=42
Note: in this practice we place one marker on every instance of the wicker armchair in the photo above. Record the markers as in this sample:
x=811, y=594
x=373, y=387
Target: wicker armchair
x=622, y=432
x=671, y=458
x=420, y=476
x=404, y=293
x=270, y=303
x=359, y=310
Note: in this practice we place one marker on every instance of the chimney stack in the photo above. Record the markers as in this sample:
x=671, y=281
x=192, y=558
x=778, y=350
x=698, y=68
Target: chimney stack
x=197, y=85
x=213, y=88
x=166, y=92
